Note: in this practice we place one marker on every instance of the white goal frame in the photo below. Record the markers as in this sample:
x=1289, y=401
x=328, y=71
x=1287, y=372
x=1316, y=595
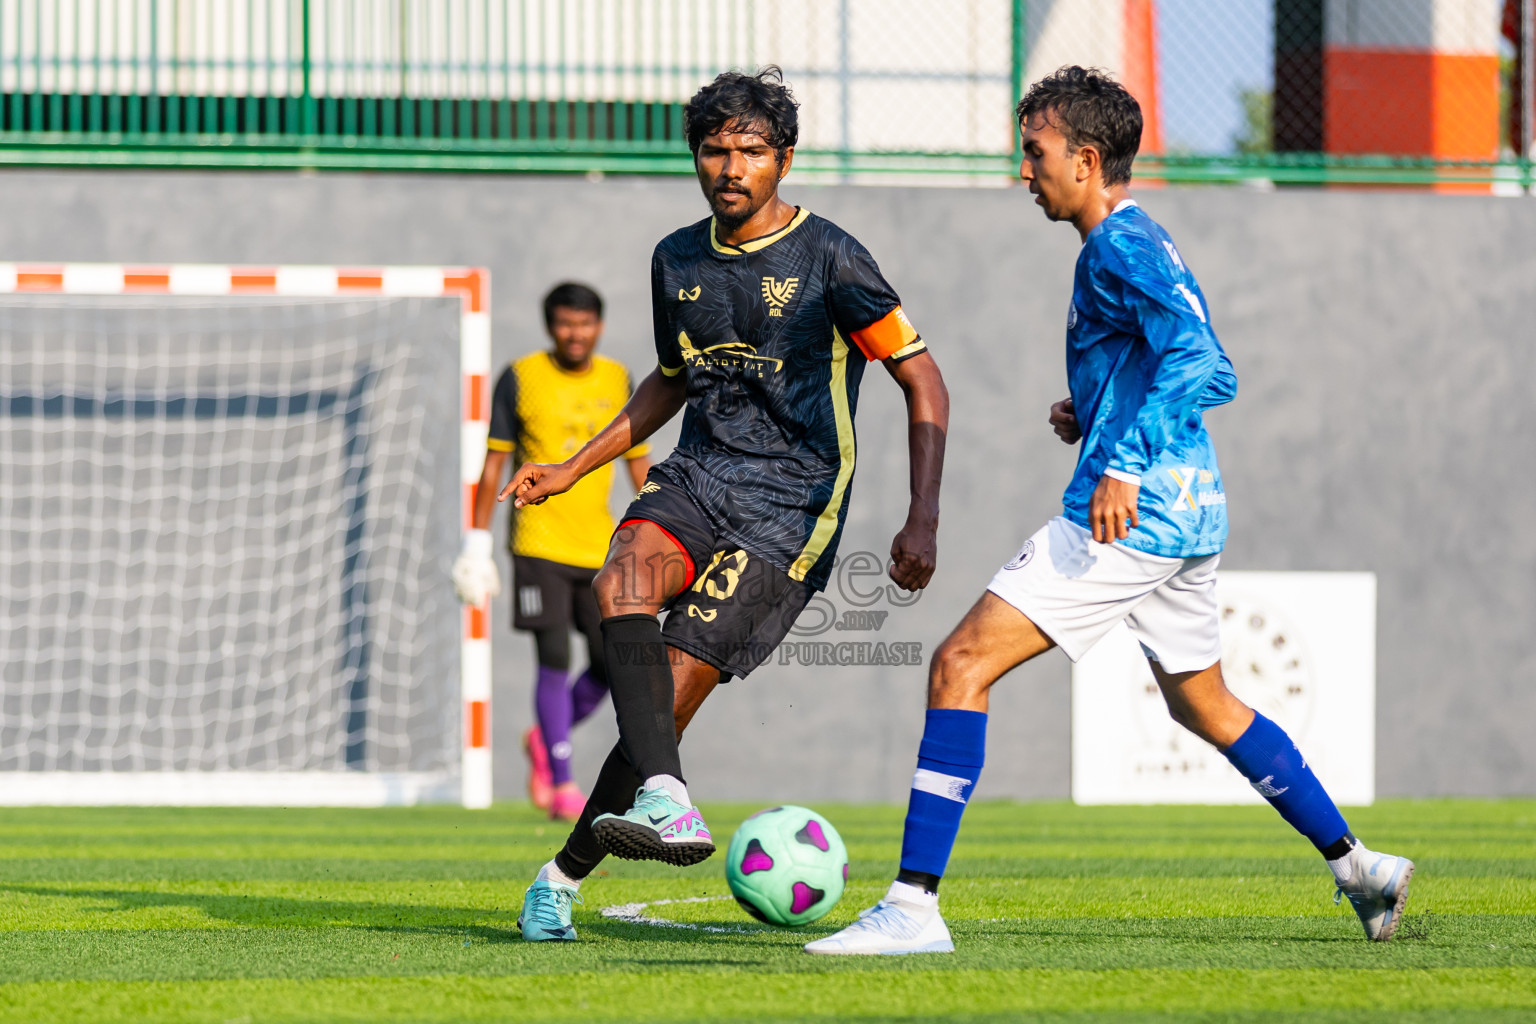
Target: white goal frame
x=471, y=785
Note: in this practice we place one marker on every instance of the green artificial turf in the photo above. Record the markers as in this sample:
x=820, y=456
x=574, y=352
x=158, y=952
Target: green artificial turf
x=1058, y=912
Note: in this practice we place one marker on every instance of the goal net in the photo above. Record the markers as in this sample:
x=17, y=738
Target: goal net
x=227, y=528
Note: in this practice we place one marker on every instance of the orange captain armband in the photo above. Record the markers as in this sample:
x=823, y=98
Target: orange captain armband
x=890, y=337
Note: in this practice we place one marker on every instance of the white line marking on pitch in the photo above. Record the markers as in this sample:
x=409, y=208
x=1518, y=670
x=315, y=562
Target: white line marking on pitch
x=634, y=913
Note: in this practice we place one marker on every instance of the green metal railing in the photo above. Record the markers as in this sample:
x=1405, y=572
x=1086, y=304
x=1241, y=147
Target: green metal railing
x=535, y=86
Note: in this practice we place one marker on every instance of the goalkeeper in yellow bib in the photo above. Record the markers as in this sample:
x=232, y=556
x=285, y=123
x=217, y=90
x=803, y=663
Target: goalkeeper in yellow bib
x=545, y=407
x=765, y=317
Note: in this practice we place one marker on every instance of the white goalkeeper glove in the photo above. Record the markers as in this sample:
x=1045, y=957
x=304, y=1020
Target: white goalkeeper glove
x=475, y=578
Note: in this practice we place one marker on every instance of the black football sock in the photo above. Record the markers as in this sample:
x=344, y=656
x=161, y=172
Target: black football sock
x=612, y=793
x=1341, y=848
x=640, y=679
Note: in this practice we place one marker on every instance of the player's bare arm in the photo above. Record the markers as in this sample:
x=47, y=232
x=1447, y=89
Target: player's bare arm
x=655, y=401
x=914, y=552
x=485, y=491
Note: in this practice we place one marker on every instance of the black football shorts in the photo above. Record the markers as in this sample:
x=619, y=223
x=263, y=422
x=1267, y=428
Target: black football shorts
x=553, y=595
x=734, y=608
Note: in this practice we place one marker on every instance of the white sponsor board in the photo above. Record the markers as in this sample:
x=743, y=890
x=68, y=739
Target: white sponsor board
x=1299, y=647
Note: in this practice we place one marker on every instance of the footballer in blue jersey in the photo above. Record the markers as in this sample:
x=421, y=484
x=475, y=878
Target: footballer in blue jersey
x=1141, y=531
x=1142, y=366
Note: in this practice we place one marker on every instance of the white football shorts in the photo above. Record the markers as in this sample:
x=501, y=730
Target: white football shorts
x=1075, y=590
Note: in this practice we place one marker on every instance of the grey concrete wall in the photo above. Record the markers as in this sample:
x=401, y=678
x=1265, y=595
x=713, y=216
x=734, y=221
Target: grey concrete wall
x=1386, y=347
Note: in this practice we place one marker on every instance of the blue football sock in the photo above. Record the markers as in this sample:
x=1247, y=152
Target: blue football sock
x=1270, y=761
x=948, y=764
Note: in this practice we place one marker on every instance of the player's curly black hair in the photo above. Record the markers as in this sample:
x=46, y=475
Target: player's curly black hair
x=1089, y=108
x=737, y=102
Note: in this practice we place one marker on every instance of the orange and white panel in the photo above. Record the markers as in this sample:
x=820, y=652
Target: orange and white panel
x=1412, y=79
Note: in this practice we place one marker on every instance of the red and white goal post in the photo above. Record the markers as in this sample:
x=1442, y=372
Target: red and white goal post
x=226, y=576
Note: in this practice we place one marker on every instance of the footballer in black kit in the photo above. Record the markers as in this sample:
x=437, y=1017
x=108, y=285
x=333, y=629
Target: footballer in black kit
x=772, y=335
x=765, y=316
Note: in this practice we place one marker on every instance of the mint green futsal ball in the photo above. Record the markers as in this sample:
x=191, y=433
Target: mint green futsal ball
x=787, y=865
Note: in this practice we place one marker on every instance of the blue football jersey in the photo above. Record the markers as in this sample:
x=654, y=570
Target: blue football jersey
x=1142, y=365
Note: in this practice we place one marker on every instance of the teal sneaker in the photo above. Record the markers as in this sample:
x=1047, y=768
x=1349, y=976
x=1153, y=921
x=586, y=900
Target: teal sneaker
x=657, y=827
x=546, y=915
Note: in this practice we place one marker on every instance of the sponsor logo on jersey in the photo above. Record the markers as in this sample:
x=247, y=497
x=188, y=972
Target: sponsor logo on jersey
x=1189, y=480
x=650, y=487
x=730, y=355
x=776, y=293
x=1186, y=479
x=684, y=295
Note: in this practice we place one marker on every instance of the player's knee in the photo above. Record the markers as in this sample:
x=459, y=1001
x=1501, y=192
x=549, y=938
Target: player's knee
x=608, y=586
x=950, y=673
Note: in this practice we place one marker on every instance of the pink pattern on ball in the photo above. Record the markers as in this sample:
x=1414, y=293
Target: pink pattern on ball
x=756, y=859
x=813, y=835
x=805, y=898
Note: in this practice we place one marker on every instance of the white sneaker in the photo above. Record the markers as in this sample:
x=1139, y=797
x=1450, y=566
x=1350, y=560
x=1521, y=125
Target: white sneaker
x=887, y=929
x=1377, y=889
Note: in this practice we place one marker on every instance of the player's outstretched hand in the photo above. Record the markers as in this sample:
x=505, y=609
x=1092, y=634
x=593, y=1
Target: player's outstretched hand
x=535, y=481
x=914, y=553
x=1064, y=422
x=1113, y=503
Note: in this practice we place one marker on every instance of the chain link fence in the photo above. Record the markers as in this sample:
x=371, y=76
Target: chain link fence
x=1369, y=91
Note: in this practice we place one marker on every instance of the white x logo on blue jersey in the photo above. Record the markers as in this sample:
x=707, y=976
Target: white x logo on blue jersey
x=1185, y=477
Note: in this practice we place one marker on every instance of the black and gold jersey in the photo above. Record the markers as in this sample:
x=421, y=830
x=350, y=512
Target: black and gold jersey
x=773, y=336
